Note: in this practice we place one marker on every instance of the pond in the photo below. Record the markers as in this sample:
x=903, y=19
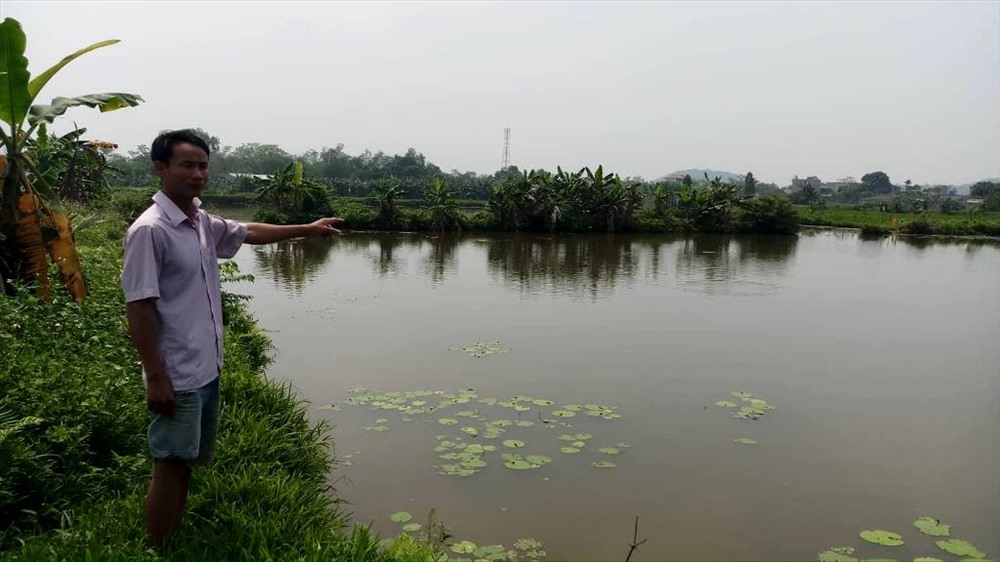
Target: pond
x=880, y=358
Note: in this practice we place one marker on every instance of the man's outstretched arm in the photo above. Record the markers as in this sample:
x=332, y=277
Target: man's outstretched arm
x=264, y=233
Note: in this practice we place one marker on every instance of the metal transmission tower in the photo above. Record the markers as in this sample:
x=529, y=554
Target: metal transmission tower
x=506, y=149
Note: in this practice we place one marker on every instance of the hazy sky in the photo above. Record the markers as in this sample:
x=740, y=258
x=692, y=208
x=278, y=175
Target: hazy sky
x=778, y=88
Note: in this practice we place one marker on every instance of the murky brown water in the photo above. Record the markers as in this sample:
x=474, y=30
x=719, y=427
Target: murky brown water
x=881, y=357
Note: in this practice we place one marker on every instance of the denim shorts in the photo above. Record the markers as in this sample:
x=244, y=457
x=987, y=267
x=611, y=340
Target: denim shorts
x=189, y=435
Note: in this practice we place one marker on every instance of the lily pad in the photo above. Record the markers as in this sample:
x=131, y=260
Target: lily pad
x=603, y=464
x=542, y=402
x=933, y=527
x=578, y=444
x=884, y=538
x=412, y=527
x=400, y=517
x=927, y=559
x=448, y=421
x=564, y=413
x=741, y=395
x=745, y=441
x=960, y=548
x=527, y=544
x=538, y=459
x=524, y=423
x=474, y=463
x=513, y=443
x=725, y=404
x=519, y=464
x=464, y=547
x=837, y=554
x=569, y=450
x=610, y=451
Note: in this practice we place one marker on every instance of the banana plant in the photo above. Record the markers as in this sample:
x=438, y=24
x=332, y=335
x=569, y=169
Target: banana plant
x=33, y=226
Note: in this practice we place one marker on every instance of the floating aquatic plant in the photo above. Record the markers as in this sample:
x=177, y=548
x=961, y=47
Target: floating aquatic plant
x=603, y=464
x=412, y=527
x=400, y=517
x=610, y=451
x=463, y=547
x=960, y=548
x=482, y=349
x=464, y=459
x=837, y=554
x=745, y=441
x=884, y=538
x=933, y=527
x=725, y=404
x=538, y=459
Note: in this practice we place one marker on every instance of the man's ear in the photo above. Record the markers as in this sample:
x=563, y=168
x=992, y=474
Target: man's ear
x=159, y=168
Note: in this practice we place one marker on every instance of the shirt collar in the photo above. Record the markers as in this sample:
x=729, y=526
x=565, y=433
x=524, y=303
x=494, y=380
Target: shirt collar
x=174, y=213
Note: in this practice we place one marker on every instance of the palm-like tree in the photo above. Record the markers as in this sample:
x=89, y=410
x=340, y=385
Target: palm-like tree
x=385, y=193
x=442, y=206
x=33, y=226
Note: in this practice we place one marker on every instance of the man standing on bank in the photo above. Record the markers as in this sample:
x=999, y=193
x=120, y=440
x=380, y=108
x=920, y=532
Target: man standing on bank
x=174, y=309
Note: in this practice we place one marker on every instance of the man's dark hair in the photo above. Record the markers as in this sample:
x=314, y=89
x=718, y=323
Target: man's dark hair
x=163, y=146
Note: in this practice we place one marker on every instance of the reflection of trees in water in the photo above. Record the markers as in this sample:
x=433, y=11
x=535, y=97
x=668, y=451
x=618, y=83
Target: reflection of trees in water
x=718, y=262
x=292, y=263
x=971, y=246
x=576, y=264
x=442, y=255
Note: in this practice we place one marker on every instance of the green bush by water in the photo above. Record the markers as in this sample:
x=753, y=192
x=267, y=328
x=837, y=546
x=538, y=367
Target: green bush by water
x=75, y=466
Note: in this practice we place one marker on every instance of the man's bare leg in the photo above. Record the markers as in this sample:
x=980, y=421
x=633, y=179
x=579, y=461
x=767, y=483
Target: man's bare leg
x=165, y=500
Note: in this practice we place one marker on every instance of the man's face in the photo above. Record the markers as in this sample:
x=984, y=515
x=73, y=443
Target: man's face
x=186, y=173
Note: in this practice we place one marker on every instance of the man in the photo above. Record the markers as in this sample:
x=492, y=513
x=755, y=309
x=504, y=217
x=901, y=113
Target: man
x=173, y=304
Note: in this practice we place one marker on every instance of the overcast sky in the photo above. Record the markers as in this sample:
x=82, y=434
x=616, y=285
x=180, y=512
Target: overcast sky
x=829, y=89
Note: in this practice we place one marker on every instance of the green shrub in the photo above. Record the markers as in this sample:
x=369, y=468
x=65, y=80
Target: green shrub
x=874, y=231
x=649, y=220
x=920, y=225
x=356, y=215
x=770, y=214
x=127, y=204
x=482, y=221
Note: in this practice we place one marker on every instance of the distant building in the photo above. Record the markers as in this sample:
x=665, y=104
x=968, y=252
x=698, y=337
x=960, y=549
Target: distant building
x=811, y=181
x=677, y=177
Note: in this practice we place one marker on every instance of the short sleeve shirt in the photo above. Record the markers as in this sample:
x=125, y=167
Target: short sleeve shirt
x=173, y=259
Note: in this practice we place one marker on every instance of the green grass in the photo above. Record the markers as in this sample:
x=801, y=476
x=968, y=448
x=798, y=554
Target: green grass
x=72, y=440
x=979, y=223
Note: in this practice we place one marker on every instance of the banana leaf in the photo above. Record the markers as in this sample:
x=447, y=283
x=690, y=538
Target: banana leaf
x=104, y=102
x=39, y=82
x=14, y=75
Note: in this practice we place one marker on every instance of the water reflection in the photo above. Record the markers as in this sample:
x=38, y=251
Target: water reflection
x=291, y=265
x=441, y=259
x=721, y=264
x=589, y=266
x=579, y=265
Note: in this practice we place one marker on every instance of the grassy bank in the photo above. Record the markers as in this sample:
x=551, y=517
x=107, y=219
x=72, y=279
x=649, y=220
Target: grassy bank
x=874, y=221
x=73, y=460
